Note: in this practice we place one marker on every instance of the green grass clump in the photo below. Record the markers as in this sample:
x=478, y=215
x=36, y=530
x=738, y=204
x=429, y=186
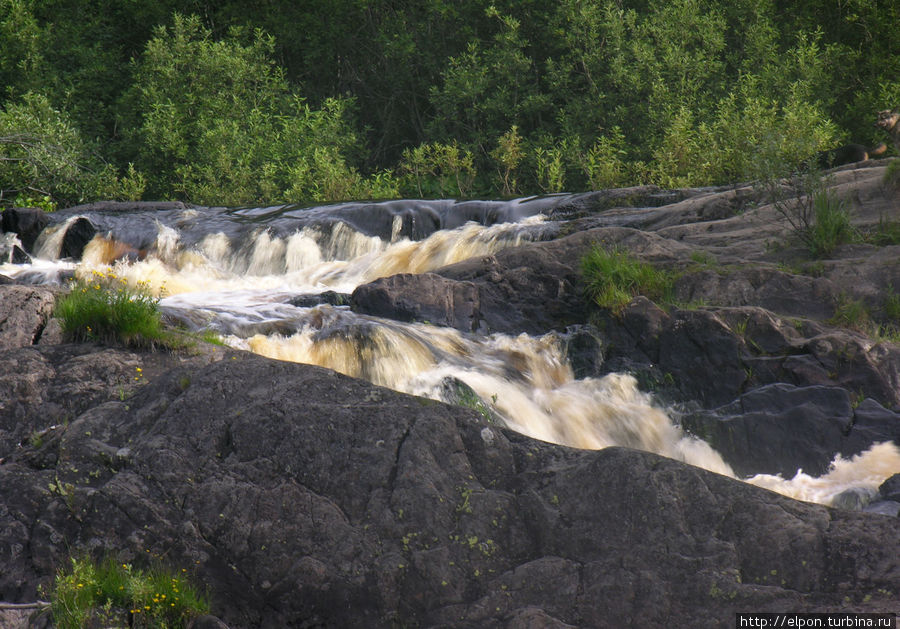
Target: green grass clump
x=890, y=329
x=831, y=226
x=892, y=306
x=106, y=308
x=109, y=592
x=613, y=278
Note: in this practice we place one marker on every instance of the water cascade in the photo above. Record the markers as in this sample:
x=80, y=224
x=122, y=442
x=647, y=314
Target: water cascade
x=254, y=276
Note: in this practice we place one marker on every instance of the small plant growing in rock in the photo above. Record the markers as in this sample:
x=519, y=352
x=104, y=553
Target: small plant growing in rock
x=890, y=329
x=818, y=218
x=831, y=225
x=613, y=278
x=105, y=308
x=851, y=313
x=886, y=233
x=87, y=593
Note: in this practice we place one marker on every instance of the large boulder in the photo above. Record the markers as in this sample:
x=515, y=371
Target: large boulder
x=711, y=355
x=437, y=300
x=27, y=222
x=304, y=498
x=78, y=234
x=25, y=312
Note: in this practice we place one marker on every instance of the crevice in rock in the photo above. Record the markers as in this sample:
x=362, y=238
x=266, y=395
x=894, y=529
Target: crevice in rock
x=392, y=477
x=36, y=337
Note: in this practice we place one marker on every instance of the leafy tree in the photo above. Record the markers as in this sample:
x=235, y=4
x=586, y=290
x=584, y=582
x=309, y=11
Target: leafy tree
x=43, y=154
x=219, y=124
x=22, y=64
x=600, y=92
x=488, y=89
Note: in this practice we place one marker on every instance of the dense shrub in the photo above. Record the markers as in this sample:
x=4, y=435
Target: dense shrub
x=43, y=155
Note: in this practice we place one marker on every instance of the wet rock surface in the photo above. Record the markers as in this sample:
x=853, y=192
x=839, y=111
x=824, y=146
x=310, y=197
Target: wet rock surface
x=306, y=498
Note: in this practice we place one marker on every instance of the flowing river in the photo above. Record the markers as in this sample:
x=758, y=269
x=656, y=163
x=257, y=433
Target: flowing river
x=266, y=279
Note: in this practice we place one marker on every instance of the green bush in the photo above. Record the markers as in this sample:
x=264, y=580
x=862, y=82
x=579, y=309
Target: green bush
x=509, y=154
x=87, y=593
x=218, y=123
x=105, y=308
x=613, y=278
x=885, y=233
x=439, y=170
x=550, y=167
x=603, y=164
x=44, y=157
x=818, y=218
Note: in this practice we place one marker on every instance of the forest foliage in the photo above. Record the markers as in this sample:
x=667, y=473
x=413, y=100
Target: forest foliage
x=240, y=103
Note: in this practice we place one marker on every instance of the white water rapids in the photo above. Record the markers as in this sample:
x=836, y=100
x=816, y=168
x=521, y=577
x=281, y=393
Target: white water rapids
x=243, y=290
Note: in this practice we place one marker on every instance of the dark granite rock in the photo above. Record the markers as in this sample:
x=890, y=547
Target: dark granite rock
x=304, y=498
x=78, y=234
x=780, y=428
x=27, y=222
x=437, y=300
x=890, y=489
x=327, y=297
x=24, y=313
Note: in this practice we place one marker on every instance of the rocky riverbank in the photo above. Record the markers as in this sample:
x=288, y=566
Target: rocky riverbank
x=304, y=498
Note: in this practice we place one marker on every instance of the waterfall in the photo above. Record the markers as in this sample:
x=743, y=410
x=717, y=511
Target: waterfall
x=244, y=280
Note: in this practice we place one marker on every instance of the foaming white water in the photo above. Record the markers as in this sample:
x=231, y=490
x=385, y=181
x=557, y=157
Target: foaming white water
x=528, y=385
x=524, y=380
x=49, y=242
x=308, y=261
x=866, y=470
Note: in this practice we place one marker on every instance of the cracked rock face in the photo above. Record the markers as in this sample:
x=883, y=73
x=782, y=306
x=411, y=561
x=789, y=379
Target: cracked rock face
x=25, y=311
x=306, y=498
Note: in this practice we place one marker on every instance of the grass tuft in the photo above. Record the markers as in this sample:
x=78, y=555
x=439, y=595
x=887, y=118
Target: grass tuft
x=110, y=593
x=613, y=278
x=106, y=308
x=831, y=226
x=851, y=313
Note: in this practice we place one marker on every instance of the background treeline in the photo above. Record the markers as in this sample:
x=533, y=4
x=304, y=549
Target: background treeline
x=255, y=101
